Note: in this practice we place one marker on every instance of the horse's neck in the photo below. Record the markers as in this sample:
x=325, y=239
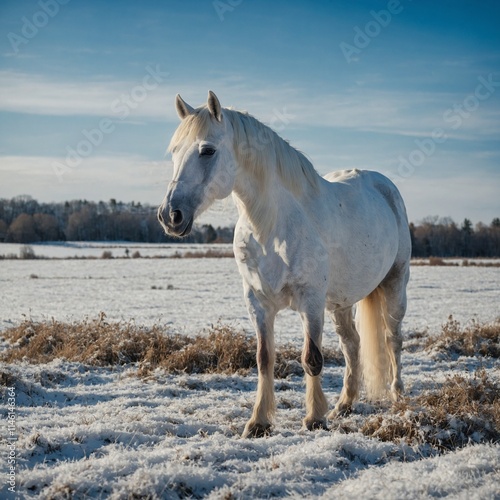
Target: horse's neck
x=259, y=204
x=263, y=186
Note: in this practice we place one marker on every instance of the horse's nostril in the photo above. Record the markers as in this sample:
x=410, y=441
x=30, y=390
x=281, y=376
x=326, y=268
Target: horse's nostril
x=176, y=216
x=160, y=216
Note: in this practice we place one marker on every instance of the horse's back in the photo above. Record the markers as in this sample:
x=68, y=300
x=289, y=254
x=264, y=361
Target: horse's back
x=363, y=183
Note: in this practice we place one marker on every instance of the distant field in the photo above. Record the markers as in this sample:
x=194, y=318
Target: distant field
x=95, y=250
x=118, y=250
x=192, y=294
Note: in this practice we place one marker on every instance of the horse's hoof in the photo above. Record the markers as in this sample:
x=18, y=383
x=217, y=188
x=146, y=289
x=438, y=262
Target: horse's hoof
x=340, y=411
x=257, y=431
x=315, y=425
x=397, y=392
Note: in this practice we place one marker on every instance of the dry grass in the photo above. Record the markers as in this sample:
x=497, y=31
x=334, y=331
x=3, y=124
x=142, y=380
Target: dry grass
x=99, y=343
x=467, y=263
x=439, y=261
x=206, y=254
x=473, y=340
x=210, y=253
x=93, y=342
x=460, y=411
x=432, y=261
x=288, y=360
x=223, y=350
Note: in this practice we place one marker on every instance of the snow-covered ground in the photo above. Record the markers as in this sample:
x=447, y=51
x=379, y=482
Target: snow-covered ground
x=191, y=294
x=103, y=432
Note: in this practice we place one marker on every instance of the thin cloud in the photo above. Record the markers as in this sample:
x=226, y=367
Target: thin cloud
x=99, y=177
x=402, y=113
x=477, y=195
x=36, y=94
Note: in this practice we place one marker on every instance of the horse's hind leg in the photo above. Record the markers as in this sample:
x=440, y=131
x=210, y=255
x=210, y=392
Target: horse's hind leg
x=349, y=343
x=394, y=288
x=264, y=408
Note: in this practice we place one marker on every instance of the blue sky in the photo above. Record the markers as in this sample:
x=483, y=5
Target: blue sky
x=409, y=88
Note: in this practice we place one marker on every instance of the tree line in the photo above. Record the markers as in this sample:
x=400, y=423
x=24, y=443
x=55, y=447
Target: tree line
x=442, y=237
x=25, y=220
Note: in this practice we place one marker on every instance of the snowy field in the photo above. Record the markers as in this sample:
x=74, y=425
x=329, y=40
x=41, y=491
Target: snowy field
x=90, y=249
x=192, y=294
x=86, y=432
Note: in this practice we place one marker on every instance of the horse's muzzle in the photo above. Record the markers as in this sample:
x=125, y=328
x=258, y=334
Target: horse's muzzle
x=174, y=222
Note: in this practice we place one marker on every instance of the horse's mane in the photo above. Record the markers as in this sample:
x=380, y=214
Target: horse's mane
x=257, y=148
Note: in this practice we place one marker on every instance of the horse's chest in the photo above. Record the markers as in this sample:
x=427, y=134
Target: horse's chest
x=263, y=273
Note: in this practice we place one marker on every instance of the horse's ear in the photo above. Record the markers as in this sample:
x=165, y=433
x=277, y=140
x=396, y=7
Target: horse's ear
x=182, y=107
x=214, y=106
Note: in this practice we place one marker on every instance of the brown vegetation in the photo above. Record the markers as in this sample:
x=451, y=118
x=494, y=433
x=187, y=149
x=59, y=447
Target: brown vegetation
x=438, y=261
x=479, y=263
x=474, y=340
x=207, y=254
x=456, y=412
x=99, y=343
x=460, y=411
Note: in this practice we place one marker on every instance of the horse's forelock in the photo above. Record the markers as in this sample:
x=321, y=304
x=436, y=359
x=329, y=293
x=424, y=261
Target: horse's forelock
x=196, y=125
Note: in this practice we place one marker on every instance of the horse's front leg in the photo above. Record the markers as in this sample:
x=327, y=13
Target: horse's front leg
x=312, y=362
x=263, y=319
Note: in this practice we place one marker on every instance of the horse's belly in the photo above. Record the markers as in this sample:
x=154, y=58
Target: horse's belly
x=354, y=274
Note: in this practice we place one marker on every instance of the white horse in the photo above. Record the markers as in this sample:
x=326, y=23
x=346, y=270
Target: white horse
x=301, y=241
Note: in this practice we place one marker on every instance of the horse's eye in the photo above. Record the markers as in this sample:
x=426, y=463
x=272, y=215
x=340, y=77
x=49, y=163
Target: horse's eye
x=207, y=152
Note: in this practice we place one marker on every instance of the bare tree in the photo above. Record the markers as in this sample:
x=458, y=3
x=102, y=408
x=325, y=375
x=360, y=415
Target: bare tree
x=22, y=230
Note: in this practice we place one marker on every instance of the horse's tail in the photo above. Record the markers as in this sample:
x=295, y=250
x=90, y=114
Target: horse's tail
x=371, y=323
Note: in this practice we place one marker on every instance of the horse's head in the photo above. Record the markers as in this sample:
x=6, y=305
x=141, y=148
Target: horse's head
x=204, y=165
